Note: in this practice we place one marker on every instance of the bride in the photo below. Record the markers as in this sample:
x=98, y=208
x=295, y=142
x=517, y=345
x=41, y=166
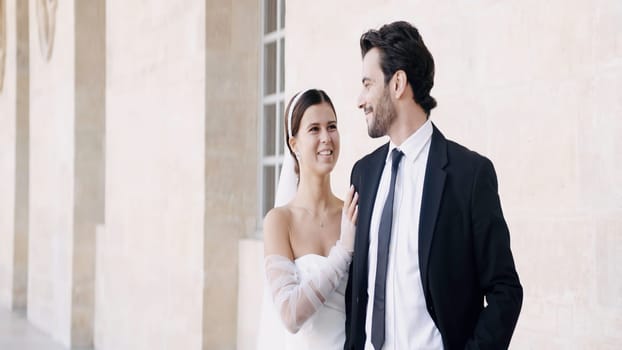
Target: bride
x=308, y=236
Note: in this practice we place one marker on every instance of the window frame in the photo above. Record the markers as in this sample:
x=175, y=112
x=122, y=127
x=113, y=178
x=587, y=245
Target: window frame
x=277, y=99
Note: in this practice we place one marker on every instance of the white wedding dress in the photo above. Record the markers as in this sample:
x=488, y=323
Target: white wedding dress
x=325, y=329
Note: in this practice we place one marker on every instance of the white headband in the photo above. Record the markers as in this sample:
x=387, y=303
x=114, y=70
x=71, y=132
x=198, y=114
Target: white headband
x=291, y=112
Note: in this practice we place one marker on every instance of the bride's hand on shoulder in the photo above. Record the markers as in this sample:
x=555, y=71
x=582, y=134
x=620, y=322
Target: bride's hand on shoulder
x=349, y=215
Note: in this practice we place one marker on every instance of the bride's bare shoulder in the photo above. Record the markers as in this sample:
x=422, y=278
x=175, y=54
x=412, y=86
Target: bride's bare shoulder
x=276, y=226
x=279, y=216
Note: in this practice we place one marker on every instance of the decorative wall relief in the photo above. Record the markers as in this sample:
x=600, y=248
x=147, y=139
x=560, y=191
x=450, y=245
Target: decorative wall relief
x=3, y=20
x=46, y=16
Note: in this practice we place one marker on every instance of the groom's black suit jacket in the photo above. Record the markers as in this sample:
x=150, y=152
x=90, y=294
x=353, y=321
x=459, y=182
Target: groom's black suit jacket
x=464, y=249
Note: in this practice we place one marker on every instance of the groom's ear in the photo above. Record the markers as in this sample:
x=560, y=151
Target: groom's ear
x=398, y=83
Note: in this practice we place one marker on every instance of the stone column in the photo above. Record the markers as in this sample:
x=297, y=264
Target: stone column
x=150, y=251
x=8, y=118
x=52, y=93
x=20, y=277
x=14, y=97
x=232, y=61
x=89, y=169
x=66, y=165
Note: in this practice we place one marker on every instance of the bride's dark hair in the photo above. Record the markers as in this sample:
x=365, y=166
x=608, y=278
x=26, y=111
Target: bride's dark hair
x=308, y=98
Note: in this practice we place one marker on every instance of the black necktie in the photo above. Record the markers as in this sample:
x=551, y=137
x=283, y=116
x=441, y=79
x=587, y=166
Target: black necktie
x=384, y=239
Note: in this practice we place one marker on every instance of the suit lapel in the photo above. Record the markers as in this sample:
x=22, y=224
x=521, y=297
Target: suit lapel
x=370, y=180
x=431, y=199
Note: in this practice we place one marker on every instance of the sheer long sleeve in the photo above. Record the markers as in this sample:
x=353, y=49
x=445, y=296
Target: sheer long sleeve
x=297, y=300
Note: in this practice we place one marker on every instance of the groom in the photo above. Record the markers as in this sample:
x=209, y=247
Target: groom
x=432, y=265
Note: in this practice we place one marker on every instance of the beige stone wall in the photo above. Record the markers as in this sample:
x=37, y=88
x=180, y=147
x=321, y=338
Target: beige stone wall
x=89, y=134
x=250, y=292
x=151, y=260
x=8, y=127
x=534, y=86
x=149, y=288
x=14, y=102
x=22, y=159
x=66, y=169
x=231, y=158
x=52, y=152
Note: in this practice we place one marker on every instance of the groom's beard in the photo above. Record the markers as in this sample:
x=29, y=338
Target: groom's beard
x=383, y=115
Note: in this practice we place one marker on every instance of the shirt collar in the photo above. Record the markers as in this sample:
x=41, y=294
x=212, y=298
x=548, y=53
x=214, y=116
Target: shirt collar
x=414, y=144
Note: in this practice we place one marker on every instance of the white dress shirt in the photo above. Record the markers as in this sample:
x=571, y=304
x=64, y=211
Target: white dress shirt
x=408, y=324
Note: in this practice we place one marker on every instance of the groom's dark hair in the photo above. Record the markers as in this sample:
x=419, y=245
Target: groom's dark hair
x=402, y=48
